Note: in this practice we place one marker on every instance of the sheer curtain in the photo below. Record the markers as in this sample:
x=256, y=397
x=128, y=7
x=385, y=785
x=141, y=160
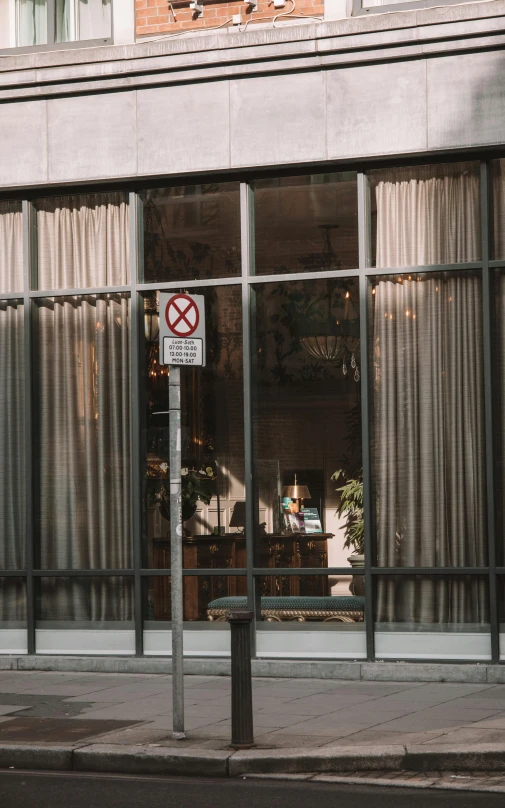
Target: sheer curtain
x=84, y=411
x=31, y=22
x=94, y=19
x=429, y=433
x=12, y=443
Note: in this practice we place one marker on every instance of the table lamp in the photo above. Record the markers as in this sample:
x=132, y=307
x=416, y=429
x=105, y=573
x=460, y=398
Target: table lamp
x=296, y=492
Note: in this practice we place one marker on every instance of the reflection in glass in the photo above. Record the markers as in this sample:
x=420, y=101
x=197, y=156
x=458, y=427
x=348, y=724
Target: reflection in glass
x=12, y=437
x=205, y=597
x=90, y=599
x=306, y=224
x=428, y=450
x=426, y=215
x=192, y=232
x=83, y=427
x=307, y=427
x=212, y=441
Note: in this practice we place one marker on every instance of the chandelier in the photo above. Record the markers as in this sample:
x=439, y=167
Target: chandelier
x=333, y=348
x=334, y=339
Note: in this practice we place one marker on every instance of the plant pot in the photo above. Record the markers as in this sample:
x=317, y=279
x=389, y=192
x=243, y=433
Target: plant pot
x=357, y=585
x=188, y=511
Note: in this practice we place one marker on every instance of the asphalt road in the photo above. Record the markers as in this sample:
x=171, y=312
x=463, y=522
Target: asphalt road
x=38, y=790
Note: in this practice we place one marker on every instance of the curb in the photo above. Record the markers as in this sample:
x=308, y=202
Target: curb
x=197, y=762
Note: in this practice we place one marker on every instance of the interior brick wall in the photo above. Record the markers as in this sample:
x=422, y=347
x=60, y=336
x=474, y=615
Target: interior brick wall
x=159, y=17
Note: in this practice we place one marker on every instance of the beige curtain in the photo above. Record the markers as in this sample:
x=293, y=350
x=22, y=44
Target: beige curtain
x=84, y=413
x=11, y=247
x=12, y=458
x=429, y=432
x=83, y=241
x=12, y=443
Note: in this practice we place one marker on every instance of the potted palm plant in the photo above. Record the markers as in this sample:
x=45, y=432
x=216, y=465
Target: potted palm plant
x=351, y=507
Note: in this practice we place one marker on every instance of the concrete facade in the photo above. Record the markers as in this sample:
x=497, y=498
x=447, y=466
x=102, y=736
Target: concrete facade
x=409, y=83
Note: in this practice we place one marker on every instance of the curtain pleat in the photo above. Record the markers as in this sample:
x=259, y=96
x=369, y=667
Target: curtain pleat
x=12, y=438
x=428, y=402
x=84, y=410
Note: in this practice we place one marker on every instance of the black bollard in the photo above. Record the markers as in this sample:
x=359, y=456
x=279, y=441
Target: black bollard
x=242, y=736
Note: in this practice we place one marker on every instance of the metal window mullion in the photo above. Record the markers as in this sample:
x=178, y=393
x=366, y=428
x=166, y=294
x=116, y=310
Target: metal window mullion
x=136, y=480
x=488, y=413
x=247, y=265
x=29, y=268
x=420, y=269
x=95, y=290
x=364, y=245
x=51, y=22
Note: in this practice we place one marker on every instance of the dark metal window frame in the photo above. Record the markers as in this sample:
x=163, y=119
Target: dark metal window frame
x=247, y=281
x=51, y=43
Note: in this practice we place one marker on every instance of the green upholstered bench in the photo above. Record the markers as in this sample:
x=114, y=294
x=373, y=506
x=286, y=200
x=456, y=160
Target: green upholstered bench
x=342, y=609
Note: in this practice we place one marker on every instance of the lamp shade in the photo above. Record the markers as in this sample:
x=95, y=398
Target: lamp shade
x=296, y=491
x=238, y=515
x=151, y=325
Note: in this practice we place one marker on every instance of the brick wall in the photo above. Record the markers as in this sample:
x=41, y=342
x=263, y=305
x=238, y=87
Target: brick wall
x=158, y=17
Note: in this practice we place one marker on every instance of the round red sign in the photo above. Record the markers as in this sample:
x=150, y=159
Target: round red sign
x=182, y=315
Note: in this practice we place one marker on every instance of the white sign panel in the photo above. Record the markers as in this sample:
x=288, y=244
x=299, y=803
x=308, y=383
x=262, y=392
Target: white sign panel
x=178, y=351
x=182, y=329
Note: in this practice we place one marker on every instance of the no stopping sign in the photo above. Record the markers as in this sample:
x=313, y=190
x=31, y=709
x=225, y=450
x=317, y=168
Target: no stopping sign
x=182, y=329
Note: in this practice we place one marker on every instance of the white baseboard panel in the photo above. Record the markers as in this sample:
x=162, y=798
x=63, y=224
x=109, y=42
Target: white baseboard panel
x=446, y=645
x=84, y=641
x=13, y=641
x=311, y=644
x=202, y=643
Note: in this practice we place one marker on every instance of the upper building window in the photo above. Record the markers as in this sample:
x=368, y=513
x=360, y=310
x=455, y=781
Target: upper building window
x=383, y=6
x=29, y=23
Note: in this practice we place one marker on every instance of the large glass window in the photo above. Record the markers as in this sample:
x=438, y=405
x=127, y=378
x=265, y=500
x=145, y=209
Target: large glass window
x=213, y=481
x=426, y=215
x=307, y=430
x=83, y=241
x=428, y=428
x=432, y=617
x=192, y=232
x=306, y=224
x=271, y=425
x=11, y=247
x=83, y=432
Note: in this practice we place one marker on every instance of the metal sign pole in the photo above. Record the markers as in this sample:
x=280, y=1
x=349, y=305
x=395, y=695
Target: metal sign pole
x=174, y=404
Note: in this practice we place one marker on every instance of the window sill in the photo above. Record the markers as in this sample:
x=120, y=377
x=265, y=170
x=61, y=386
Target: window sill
x=56, y=46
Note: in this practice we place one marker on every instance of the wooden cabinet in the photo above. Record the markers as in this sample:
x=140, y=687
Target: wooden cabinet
x=290, y=551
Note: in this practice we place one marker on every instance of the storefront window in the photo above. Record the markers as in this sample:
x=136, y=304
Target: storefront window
x=432, y=617
x=426, y=215
x=12, y=436
x=11, y=247
x=213, y=481
x=307, y=427
x=428, y=427
x=83, y=241
x=192, y=232
x=82, y=452
x=306, y=224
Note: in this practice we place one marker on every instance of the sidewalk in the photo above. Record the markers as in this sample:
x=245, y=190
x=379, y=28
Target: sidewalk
x=122, y=722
